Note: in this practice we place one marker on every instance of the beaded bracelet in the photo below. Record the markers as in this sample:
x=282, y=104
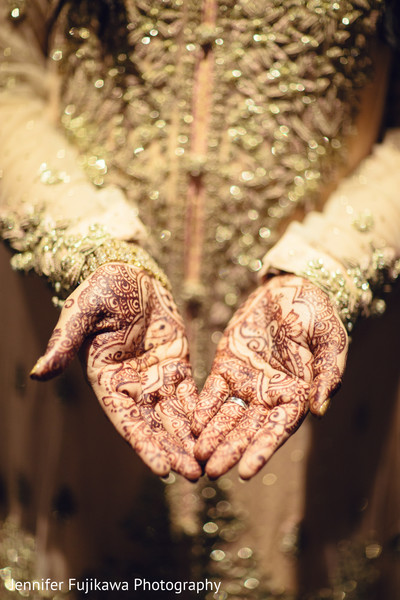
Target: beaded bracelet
x=67, y=260
x=353, y=290
x=113, y=250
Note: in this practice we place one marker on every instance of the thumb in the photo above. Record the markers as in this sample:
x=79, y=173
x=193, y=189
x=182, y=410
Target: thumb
x=329, y=366
x=64, y=343
x=324, y=386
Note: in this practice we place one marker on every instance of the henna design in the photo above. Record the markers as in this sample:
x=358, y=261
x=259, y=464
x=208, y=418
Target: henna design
x=283, y=352
x=223, y=422
x=136, y=357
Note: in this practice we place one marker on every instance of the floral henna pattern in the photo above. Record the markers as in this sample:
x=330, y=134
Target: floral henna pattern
x=283, y=352
x=135, y=353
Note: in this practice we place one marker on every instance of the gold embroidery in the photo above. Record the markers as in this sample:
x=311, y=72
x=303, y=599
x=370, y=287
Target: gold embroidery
x=67, y=260
x=353, y=290
x=282, y=102
x=285, y=78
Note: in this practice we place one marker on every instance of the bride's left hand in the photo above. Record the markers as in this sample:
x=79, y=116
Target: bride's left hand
x=283, y=353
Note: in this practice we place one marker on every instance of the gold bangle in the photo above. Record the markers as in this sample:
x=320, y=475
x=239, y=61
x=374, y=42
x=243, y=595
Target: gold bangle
x=67, y=260
x=353, y=291
x=113, y=250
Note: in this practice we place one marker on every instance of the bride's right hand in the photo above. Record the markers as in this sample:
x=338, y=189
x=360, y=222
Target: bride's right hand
x=135, y=353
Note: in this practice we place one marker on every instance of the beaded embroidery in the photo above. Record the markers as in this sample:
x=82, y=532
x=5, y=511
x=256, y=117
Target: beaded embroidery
x=68, y=260
x=352, y=291
x=281, y=103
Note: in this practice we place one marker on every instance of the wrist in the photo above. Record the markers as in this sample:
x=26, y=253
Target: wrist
x=354, y=287
x=67, y=260
x=113, y=250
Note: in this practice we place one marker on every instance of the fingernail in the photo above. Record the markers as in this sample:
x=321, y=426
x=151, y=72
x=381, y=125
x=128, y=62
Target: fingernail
x=324, y=407
x=37, y=367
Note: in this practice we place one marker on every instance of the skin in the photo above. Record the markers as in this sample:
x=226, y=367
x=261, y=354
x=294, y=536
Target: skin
x=283, y=353
x=135, y=354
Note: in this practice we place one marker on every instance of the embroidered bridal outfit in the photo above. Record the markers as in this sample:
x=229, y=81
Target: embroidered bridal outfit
x=190, y=138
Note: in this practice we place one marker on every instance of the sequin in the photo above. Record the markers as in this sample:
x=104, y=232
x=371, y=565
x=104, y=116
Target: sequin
x=251, y=583
x=277, y=71
x=269, y=479
x=210, y=527
x=245, y=553
x=373, y=550
x=217, y=555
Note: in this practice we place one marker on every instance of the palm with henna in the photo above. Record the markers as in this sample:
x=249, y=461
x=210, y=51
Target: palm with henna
x=283, y=353
x=135, y=354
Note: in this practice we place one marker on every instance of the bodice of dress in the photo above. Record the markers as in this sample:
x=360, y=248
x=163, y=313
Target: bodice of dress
x=216, y=118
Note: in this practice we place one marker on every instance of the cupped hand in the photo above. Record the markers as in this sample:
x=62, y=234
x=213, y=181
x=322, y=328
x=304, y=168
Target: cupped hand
x=283, y=353
x=135, y=354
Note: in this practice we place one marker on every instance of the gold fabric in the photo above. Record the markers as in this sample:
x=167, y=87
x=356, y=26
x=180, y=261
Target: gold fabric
x=217, y=120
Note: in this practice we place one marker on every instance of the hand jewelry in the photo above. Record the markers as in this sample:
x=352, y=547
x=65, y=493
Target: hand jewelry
x=237, y=401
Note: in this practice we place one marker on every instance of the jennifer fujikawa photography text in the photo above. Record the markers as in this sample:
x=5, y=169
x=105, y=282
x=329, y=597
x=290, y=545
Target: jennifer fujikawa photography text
x=92, y=585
